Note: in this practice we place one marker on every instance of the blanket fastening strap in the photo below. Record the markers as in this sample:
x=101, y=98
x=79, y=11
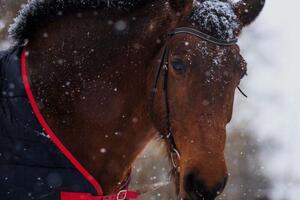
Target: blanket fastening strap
x=122, y=195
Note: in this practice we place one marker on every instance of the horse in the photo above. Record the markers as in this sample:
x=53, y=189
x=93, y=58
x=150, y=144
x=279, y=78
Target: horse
x=107, y=76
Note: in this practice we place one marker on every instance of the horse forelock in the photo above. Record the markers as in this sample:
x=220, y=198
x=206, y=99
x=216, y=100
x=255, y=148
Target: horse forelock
x=216, y=18
x=37, y=12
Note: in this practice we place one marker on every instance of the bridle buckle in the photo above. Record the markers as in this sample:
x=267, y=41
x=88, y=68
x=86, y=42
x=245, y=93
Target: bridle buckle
x=122, y=195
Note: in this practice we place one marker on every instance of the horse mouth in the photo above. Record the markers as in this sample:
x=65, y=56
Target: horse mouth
x=197, y=195
x=194, y=198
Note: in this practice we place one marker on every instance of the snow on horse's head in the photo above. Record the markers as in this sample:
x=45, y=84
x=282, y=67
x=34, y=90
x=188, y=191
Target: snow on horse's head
x=93, y=65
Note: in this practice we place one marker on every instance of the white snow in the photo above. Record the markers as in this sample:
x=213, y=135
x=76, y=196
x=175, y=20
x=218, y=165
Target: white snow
x=103, y=150
x=120, y=25
x=2, y=24
x=4, y=45
x=271, y=48
x=216, y=17
x=43, y=134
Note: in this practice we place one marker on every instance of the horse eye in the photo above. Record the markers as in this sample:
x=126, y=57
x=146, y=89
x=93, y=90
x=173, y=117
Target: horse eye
x=179, y=65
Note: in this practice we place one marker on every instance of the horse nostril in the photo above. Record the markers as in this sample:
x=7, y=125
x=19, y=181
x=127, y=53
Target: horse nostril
x=221, y=186
x=190, y=182
x=196, y=188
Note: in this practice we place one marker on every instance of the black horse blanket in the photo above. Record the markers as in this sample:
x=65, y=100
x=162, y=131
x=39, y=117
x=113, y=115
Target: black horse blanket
x=31, y=166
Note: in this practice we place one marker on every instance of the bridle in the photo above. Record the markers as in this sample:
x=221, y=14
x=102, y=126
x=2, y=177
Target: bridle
x=163, y=66
x=168, y=136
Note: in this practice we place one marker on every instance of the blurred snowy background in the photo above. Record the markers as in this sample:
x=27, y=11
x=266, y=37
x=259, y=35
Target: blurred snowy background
x=263, y=148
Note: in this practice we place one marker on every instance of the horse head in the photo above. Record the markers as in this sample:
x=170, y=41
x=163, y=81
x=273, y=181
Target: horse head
x=193, y=100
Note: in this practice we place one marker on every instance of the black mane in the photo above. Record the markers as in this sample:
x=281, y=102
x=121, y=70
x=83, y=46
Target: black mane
x=38, y=12
x=215, y=17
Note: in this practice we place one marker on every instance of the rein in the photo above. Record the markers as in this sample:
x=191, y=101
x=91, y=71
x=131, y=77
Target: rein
x=163, y=66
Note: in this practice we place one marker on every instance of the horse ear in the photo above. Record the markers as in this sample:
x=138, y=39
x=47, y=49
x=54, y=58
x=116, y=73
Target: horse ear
x=248, y=10
x=182, y=5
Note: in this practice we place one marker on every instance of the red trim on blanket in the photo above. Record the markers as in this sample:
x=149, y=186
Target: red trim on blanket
x=51, y=134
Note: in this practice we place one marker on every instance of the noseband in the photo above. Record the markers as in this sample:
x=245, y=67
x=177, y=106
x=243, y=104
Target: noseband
x=164, y=61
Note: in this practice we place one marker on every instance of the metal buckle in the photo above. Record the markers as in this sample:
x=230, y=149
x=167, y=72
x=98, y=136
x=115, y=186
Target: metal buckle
x=122, y=195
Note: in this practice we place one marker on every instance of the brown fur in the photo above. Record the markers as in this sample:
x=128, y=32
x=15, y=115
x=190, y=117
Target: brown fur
x=94, y=90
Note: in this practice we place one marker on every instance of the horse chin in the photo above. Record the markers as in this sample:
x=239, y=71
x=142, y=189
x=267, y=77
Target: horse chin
x=192, y=197
x=195, y=196
x=186, y=198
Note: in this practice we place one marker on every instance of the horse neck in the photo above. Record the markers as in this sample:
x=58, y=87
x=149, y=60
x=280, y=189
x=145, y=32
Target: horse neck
x=105, y=58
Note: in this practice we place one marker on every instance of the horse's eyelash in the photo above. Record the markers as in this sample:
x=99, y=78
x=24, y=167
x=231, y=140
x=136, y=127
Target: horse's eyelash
x=244, y=73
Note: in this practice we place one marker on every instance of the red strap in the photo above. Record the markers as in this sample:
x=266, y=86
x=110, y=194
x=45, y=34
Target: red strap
x=49, y=131
x=122, y=195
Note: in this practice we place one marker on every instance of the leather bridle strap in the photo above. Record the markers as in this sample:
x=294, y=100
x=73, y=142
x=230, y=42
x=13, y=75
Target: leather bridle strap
x=204, y=36
x=164, y=61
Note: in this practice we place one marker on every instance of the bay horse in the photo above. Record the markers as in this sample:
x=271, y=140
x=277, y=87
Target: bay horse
x=107, y=76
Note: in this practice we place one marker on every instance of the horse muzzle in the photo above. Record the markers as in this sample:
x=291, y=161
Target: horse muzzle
x=196, y=189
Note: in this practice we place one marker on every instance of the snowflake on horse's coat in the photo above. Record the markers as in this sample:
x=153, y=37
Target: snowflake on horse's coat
x=38, y=12
x=91, y=67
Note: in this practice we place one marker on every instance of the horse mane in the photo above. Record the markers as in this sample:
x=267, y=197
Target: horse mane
x=216, y=18
x=38, y=12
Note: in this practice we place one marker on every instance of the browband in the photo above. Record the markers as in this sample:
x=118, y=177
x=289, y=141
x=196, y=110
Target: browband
x=204, y=36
